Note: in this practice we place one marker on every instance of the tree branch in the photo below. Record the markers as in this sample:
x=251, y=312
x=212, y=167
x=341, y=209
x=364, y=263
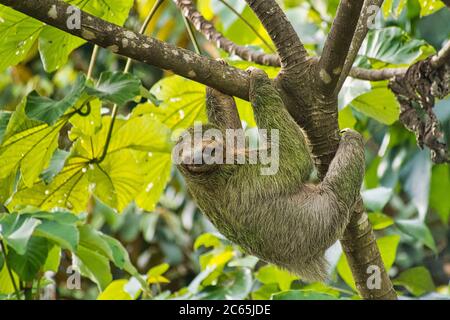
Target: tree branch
x=443, y=57
x=139, y=47
x=210, y=32
x=291, y=51
x=376, y=75
x=369, y=11
x=338, y=43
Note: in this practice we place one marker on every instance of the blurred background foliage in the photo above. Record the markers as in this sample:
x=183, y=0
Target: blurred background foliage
x=165, y=235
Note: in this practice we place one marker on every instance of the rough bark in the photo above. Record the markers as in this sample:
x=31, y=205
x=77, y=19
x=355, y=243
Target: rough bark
x=207, y=28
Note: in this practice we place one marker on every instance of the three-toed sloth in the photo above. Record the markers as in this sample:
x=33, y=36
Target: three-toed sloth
x=280, y=218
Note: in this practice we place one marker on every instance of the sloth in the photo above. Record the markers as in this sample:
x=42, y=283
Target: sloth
x=281, y=218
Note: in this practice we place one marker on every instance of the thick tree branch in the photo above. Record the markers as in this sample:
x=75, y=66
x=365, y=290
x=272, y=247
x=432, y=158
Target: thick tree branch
x=338, y=43
x=139, y=47
x=291, y=51
x=210, y=32
x=368, y=14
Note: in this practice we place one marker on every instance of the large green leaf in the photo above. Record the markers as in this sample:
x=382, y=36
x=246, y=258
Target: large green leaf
x=55, y=47
x=117, y=180
x=28, y=145
x=416, y=280
x=419, y=231
x=116, y=87
x=393, y=46
x=183, y=102
x=379, y=103
x=376, y=199
x=65, y=235
x=28, y=265
x=69, y=189
x=18, y=34
x=272, y=274
x=17, y=231
x=440, y=184
x=6, y=285
x=48, y=110
x=93, y=265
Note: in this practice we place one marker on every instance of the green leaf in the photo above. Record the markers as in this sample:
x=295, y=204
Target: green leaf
x=346, y=118
x=93, y=240
x=94, y=265
x=265, y=292
x=53, y=259
x=6, y=286
x=55, y=46
x=118, y=179
x=116, y=87
x=65, y=235
x=302, y=295
x=28, y=145
x=69, y=189
x=56, y=165
x=17, y=231
x=18, y=34
x=419, y=231
x=272, y=274
x=183, y=102
x=4, y=119
x=376, y=199
x=119, y=255
x=49, y=111
x=440, y=184
x=393, y=45
x=246, y=262
x=380, y=221
x=428, y=7
x=237, y=287
x=28, y=264
x=87, y=124
x=207, y=240
x=417, y=280
x=115, y=291
x=379, y=103
x=388, y=249
x=158, y=270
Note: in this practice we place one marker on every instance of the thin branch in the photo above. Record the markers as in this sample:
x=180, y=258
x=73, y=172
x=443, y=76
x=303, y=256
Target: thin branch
x=291, y=51
x=443, y=57
x=369, y=11
x=92, y=62
x=243, y=19
x=8, y=268
x=225, y=78
x=191, y=34
x=376, y=75
x=338, y=43
x=207, y=28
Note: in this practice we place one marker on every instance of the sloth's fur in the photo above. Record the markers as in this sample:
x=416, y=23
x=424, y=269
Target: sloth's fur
x=279, y=218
